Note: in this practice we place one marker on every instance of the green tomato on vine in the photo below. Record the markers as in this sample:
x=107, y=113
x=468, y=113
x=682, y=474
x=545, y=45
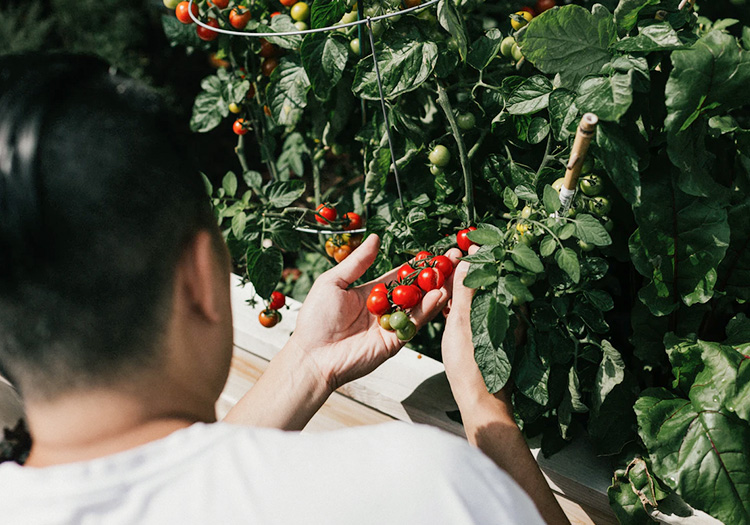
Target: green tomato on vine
x=440, y=156
x=591, y=185
x=300, y=12
x=466, y=121
x=507, y=45
x=600, y=206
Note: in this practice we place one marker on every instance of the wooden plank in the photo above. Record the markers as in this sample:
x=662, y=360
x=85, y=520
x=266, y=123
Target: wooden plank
x=412, y=387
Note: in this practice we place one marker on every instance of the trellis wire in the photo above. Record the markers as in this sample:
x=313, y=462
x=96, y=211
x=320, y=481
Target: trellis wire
x=368, y=21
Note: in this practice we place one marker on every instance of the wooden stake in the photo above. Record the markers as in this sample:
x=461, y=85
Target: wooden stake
x=584, y=135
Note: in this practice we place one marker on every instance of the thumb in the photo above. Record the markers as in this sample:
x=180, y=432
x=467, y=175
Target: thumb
x=354, y=266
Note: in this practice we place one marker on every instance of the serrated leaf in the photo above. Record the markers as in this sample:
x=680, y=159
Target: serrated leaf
x=405, y=62
x=287, y=93
x=551, y=199
x=485, y=254
x=570, y=41
x=253, y=179
x=492, y=360
x=531, y=371
x=324, y=58
x=590, y=230
x=264, y=267
x=486, y=236
x=453, y=23
x=284, y=24
x=485, y=49
x=209, y=108
x=480, y=275
x=526, y=193
x=538, y=130
x=324, y=13
x=567, y=260
x=282, y=194
x=530, y=96
x=547, y=246
x=607, y=97
x=610, y=373
x=510, y=199
x=618, y=153
x=656, y=37
x=562, y=112
x=627, y=11
x=525, y=257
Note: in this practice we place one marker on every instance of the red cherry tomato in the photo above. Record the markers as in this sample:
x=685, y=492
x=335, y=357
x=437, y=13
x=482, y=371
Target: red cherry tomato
x=404, y=271
x=239, y=126
x=355, y=221
x=221, y=4
x=268, y=65
x=239, y=17
x=379, y=288
x=267, y=49
x=420, y=260
x=342, y=252
x=326, y=214
x=207, y=34
x=443, y=264
x=464, y=243
x=269, y=318
x=277, y=300
x=430, y=279
x=182, y=12
x=288, y=3
x=275, y=13
x=529, y=10
x=406, y=296
x=378, y=304
x=543, y=5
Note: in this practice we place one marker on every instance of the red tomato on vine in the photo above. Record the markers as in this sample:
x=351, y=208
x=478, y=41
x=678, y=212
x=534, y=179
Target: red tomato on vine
x=183, y=10
x=355, y=221
x=325, y=214
x=269, y=318
x=239, y=127
x=239, y=17
x=278, y=300
x=207, y=34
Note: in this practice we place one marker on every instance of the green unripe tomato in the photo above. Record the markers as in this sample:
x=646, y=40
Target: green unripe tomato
x=171, y=4
x=515, y=52
x=466, y=121
x=301, y=26
x=584, y=246
x=591, y=184
x=435, y=170
x=398, y=320
x=385, y=323
x=507, y=45
x=300, y=12
x=348, y=18
x=354, y=46
x=440, y=156
x=558, y=184
x=234, y=108
x=407, y=332
x=527, y=211
x=377, y=28
x=600, y=206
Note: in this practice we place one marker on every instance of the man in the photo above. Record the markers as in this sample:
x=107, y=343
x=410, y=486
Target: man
x=116, y=328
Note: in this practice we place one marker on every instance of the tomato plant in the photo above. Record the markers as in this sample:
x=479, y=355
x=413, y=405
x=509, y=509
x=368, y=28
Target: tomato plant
x=207, y=34
x=269, y=318
x=239, y=17
x=183, y=10
x=645, y=279
x=278, y=300
x=325, y=213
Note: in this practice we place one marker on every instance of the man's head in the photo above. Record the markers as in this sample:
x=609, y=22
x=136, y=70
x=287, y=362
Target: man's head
x=97, y=208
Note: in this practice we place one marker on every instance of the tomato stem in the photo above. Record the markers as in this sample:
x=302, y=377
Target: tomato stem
x=445, y=104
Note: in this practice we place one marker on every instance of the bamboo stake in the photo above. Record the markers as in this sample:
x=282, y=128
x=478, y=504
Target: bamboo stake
x=584, y=135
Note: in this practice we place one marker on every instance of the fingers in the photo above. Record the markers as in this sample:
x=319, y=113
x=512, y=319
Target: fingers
x=354, y=266
x=432, y=303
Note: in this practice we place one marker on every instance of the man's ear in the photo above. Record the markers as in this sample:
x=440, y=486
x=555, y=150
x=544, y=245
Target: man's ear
x=197, y=277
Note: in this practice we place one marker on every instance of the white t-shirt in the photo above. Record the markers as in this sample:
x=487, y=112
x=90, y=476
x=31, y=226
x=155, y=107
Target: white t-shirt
x=224, y=474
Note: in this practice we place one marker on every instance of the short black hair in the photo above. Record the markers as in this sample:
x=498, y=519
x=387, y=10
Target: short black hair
x=97, y=202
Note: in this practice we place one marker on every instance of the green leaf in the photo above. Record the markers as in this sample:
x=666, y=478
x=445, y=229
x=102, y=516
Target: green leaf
x=567, y=260
x=229, y=183
x=324, y=58
x=531, y=371
x=526, y=193
x=452, y=22
x=627, y=11
x=492, y=360
x=530, y=96
x=324, y=13
x=590, y=230
x=284, y=24
x=282, y=194
x=656, y=37
x=562, y=112
x=525, y=257
x=238, y=224
x=510, y=199
x=610, y=373
x=538, y=130
x=513, y=286
x=253, y=179
x=713, y=73
x=613, y=424
x=485, y=254
x=405, y=62
x=264, y=267
x=687, y=151
x=570, y=41
x=617, y=150
x=498, y=320
x=678, y=245
x=207, y=184
x=287, y=93
x=608, y=97
x=551, y=199
x=486, y=236
x=484, y=50
x=734, y=272
x=481, y=275
x=547, y=246
x=209, y=108
x=566, y=231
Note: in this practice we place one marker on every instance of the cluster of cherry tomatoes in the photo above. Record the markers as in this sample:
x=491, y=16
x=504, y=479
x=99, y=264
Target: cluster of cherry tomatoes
x=238, y=17
x=390, y=302
x=340, y=245
x=271, y=316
